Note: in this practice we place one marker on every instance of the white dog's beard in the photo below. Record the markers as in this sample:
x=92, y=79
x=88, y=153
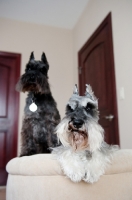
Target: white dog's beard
x=88, y=137
x=78, y=138
x=83, y=155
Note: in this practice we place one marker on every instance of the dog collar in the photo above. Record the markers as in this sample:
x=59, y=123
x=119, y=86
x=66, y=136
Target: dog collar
x=33, y=106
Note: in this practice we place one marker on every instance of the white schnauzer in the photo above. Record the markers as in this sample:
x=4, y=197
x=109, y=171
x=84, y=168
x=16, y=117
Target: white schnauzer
x=84, y=155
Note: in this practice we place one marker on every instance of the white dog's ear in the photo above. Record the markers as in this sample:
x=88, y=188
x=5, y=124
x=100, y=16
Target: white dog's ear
x=89, y=93
x=95, y=136
x=75, y=90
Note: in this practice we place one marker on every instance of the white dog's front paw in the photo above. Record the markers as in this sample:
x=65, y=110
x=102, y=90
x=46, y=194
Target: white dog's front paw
x=75, y=177
x=91, y=178
x=72, y=165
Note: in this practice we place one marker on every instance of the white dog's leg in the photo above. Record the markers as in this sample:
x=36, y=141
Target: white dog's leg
x=72, y=165
x=95, y=167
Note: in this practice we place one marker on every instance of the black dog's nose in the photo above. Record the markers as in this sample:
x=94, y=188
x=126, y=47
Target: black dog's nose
x=78, y=123
x=32, y=77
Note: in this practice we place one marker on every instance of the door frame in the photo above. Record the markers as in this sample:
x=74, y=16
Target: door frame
x=106, y=21
x=17, y=57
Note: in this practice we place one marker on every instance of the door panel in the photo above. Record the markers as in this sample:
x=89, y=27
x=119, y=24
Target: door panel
x=96, y=56
x=2, y=148
x=96, y=67
x=9, y=102
x=4, y=74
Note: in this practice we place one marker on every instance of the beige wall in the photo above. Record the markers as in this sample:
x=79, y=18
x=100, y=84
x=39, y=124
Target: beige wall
x=57, y=43
x=94, y=14
x=61, y=47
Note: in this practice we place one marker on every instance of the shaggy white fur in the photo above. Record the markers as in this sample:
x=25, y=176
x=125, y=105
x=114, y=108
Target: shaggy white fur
x=84, y=155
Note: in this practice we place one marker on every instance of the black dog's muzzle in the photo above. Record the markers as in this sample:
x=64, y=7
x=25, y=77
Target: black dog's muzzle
x=32, y=77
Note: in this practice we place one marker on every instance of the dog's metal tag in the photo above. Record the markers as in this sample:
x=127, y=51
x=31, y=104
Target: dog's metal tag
x=33, y=107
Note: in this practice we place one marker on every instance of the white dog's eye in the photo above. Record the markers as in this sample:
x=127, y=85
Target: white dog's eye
x=69, y=108
x=89, y=106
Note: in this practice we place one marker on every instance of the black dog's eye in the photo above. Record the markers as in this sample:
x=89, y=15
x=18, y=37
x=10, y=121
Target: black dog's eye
x=43, y=70
x=89, y=106
x=28, y=69
x=68, y=108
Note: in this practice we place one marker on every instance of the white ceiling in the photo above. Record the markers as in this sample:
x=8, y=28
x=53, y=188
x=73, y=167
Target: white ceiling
x=58, y=13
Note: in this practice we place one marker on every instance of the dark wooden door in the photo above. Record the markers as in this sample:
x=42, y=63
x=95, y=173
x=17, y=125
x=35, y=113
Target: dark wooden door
x=9, y=105
x=96, y=67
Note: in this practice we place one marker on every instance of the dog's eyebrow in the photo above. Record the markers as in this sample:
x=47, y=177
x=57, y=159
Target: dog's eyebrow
x=73, y=104
x=86, y=101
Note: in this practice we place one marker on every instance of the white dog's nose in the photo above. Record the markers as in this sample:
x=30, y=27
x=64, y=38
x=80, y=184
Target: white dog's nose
x=78, y=123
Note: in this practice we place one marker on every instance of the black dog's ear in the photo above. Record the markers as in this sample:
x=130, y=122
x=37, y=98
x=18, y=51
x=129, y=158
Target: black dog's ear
x=31, y=56
x=44, y=59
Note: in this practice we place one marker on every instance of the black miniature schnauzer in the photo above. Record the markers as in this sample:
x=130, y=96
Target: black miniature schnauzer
x=41, y=114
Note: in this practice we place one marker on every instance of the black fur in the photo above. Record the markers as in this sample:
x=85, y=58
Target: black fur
x=38, y=127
